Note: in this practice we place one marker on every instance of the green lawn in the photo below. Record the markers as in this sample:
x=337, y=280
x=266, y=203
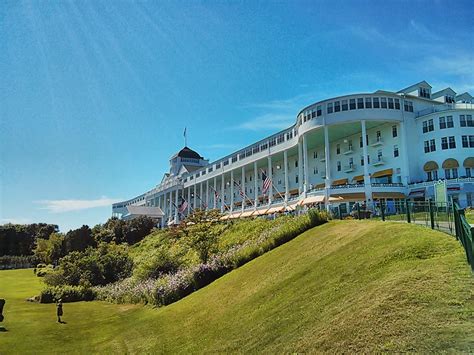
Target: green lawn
x=347, y=286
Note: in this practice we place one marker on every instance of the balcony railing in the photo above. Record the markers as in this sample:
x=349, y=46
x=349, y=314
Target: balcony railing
x=349, y=168
x=379, y=161
x=377, y=142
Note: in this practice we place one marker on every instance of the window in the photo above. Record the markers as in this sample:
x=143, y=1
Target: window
x=330, y=107
x=361, y=160
x=468, y=172
x=315, y=170
x=432, y=175
x=344, y=105
x=379, y=155
x=383, y=102
x=226, y=163
x=352, y=104
x=427, y=146
x=395, y=151
x=296, y=163
x=467, y=141
x=397, y=104
x=337, y=106
x=351, y=163
x=218, y=166
x=368, y=102
x=349, y=145
x=432, y=145
x=376, y=102
x=256, y=149
x=338, y=166
x=390, y=103
x=338, y=149
x=360, y=142
x=360, y=103
x=296, y=179
x=315, y=155
x=449, y=122
x=428, y=126
x=466, y=121
x=319, y=110
x=452, y=142
x=424, y=92
x=442, y=123
x=379, y=136
x=409, y=106
x=272, y=142
x=263, y=147
x=234, y=158
x=394, y=131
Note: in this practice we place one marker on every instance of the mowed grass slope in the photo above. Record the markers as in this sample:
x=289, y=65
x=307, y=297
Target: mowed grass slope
x=344, y=286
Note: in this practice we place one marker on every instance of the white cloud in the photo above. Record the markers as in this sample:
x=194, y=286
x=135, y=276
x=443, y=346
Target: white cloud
x=60, y=206
x=456, y=65
x=422, y=31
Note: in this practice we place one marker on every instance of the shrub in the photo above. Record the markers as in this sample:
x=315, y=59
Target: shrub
x=66, y=293
x=17, y=262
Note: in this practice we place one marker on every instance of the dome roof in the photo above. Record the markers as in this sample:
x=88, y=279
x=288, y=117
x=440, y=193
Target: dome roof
x=188, y=153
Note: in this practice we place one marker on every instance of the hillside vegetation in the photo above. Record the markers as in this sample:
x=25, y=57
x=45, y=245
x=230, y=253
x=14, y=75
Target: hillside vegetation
x=341, y=287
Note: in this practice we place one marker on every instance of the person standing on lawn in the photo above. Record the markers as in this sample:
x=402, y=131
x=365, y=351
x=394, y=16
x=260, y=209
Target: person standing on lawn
x=59, y=310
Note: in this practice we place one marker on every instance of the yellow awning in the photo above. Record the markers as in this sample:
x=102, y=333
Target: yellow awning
x=382, y=173
x=275, y=209
x=340, y=182
x=294, y=192
x=333, y=199
x=351, y=196
x=292, y=207
x=312, y=199
x=468, y=162
x=320, y=186
x=261, y=212
x=431, y=165
x=358, y=178
x=450, y=163
x=247, y=214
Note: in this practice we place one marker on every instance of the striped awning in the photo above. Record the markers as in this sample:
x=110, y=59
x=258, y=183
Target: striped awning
x=340, y=182
x=312, y=199
x=382, y=173
x=292, y=206
x=450, y=163
x=468, y=162
x=358, y=178
x=277, y=209
x=431, y=165
x=320, y=186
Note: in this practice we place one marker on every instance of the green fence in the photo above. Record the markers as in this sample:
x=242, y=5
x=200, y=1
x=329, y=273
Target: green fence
x=464, y=233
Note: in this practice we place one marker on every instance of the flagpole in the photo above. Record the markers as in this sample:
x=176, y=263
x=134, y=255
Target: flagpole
x=273, y=185
x=245, y=195
x=222, y=197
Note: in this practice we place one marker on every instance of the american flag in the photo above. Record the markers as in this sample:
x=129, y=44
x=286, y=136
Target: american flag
x=216, y=194
x=267, y=182
x=241, y=190
x=183, y=206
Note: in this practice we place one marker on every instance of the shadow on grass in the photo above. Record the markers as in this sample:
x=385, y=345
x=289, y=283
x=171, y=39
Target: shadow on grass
x=3, y=329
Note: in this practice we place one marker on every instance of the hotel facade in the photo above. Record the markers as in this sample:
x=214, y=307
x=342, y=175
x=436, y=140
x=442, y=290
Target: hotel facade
x=355, y=148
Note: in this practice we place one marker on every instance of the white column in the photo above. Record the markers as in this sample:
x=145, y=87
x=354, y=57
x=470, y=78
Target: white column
x=367, y=185
x=222, y=191
x=255, y=183
x=231, y=190
x=176, y=206
x=270, y=190
x=207, y=194
x=404, y=154
x=170, y=211
x=189, y=199
x=327, y=181
x=300, y=167
x=200, y=195
x=243, y=189
x=214, y=193
x=305, y=165
x=285, y=163
x=195, y=197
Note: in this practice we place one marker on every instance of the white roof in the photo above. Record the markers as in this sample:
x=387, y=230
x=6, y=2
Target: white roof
x=136, y=211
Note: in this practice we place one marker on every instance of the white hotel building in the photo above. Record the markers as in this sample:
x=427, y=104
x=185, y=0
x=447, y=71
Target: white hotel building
x=360, y=147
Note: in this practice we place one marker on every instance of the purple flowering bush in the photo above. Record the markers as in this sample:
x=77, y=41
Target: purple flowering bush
x=238, y=244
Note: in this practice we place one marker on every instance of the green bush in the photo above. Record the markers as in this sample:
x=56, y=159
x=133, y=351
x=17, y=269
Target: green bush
x=66, y=294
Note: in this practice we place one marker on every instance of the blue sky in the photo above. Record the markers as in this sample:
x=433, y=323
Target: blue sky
x=94, y=95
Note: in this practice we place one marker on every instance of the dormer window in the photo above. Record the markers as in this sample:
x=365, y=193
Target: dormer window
x=449, y=99
x=424, y=92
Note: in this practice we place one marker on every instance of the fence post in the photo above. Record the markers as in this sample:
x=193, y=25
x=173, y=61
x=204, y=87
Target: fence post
x=470, y=248
x=382, y=209
x=358, y=210
x=408, y=211
x=340, y=212
x=430, y=206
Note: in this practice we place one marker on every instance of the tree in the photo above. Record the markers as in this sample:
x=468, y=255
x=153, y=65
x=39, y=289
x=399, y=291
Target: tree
x=50, y=250
x=202, y=230
x=78, y=239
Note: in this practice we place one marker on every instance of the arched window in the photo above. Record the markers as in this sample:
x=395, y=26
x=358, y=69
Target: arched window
x=431, y=169
x=469, y=166
x=450, y=167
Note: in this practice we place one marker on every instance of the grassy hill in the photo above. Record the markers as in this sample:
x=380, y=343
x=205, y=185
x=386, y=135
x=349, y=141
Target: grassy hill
x=344, y=286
